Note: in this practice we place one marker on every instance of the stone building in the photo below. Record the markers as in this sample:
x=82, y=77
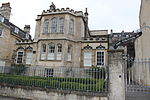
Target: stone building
x=9, y=34
x=142, y=43
x=62, y=39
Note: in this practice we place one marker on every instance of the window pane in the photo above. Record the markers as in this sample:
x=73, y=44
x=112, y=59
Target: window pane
x=50, y=56
x=100, y=58
x=28, y=58
x=43, y=56
x=61, y=25
x=54, y=25
x=69, y=54
x=87, y=58
x=51, y=52
x=44, y=48
x=45, y=26
x=59, y=51
x=49, y=72
x=43, y=52
x=19, y=57
x=71, y=26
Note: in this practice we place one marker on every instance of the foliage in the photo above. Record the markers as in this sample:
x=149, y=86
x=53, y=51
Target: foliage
x=17, y=69
x=97, y=72
x=79, y=84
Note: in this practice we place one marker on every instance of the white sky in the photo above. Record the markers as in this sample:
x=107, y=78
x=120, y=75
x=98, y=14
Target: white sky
x=103, y=14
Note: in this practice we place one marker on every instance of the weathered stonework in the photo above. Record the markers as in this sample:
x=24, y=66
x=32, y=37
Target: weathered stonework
x=46, y=94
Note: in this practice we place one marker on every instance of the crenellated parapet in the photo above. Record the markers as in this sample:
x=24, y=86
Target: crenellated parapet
x=62, y=10
x=54, y=10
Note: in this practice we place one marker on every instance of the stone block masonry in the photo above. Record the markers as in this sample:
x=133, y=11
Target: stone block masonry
x=46, y=94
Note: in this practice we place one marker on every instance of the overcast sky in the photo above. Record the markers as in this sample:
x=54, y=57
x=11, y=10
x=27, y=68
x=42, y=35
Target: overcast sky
x=103, y=14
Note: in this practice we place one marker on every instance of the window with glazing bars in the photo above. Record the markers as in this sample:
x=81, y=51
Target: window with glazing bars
x=100, y=58
x=19, y=57
x=53, y=25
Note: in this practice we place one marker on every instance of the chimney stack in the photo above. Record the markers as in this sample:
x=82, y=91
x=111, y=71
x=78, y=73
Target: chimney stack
x=5, y=10
x=27, y=29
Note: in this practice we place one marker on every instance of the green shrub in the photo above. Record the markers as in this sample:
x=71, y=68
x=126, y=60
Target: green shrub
x=17, y=69
x=81, y=84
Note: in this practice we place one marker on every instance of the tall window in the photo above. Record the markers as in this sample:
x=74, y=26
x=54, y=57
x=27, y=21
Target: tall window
x=43, y=52
x=45, y=26
x=53, y=25
x=1, y=31
x=100, y=58
x=49, y=72
x=69, y=53
x=87, y=58
x=19, y=57
x=59, y=51
x=71, y=26
x=61, y=25
x=28, y=57
x=51, y=51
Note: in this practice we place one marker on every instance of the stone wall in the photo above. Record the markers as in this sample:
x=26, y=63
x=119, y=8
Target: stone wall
x=46, y=94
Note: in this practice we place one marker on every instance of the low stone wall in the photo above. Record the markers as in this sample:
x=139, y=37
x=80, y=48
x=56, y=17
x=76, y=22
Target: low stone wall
x=47, y=94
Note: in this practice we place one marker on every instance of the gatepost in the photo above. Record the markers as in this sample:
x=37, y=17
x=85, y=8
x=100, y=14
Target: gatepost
x=116, y=75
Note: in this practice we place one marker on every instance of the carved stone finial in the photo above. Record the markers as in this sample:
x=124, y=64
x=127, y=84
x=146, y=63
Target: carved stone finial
x=52, y=6
x=86, y=12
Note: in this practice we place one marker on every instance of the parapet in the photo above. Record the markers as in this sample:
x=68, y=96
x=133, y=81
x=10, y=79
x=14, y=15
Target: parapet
x=63, y=10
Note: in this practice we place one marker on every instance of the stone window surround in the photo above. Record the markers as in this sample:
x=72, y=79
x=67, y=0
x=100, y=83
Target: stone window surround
x=87, y=51
x=21, y=58
x=61, y=25
x=54, y=25
x=99, y=48
x=55, y=52
x=69, y=53
x=46, y=26
x=103, y=51
x=58, y=27
x=71, y=26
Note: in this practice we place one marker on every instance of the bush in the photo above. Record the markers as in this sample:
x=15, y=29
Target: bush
x=97, y=72
x=17, y=69
x=54, y=82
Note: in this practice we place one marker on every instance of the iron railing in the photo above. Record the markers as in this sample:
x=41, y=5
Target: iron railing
x=137, y=75
x=63, y=78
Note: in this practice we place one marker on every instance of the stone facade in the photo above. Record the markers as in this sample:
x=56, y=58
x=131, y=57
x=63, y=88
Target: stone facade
x=9, y=34
x=61, y=38
x=142, y=43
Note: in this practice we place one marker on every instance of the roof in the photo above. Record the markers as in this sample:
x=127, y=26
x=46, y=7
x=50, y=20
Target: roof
x=14, y=29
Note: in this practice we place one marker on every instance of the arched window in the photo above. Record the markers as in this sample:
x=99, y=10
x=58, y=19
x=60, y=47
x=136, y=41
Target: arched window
x=71, y=26
x=20, y=53
x=54, y=25
x=45, y=26
x=43, y=52
x=100, y=55
x=44, y=48
x=29, y=55
x=51, y=51
x=69, y=53
x=59, y=51
x=88, y=56
x=61, y=25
